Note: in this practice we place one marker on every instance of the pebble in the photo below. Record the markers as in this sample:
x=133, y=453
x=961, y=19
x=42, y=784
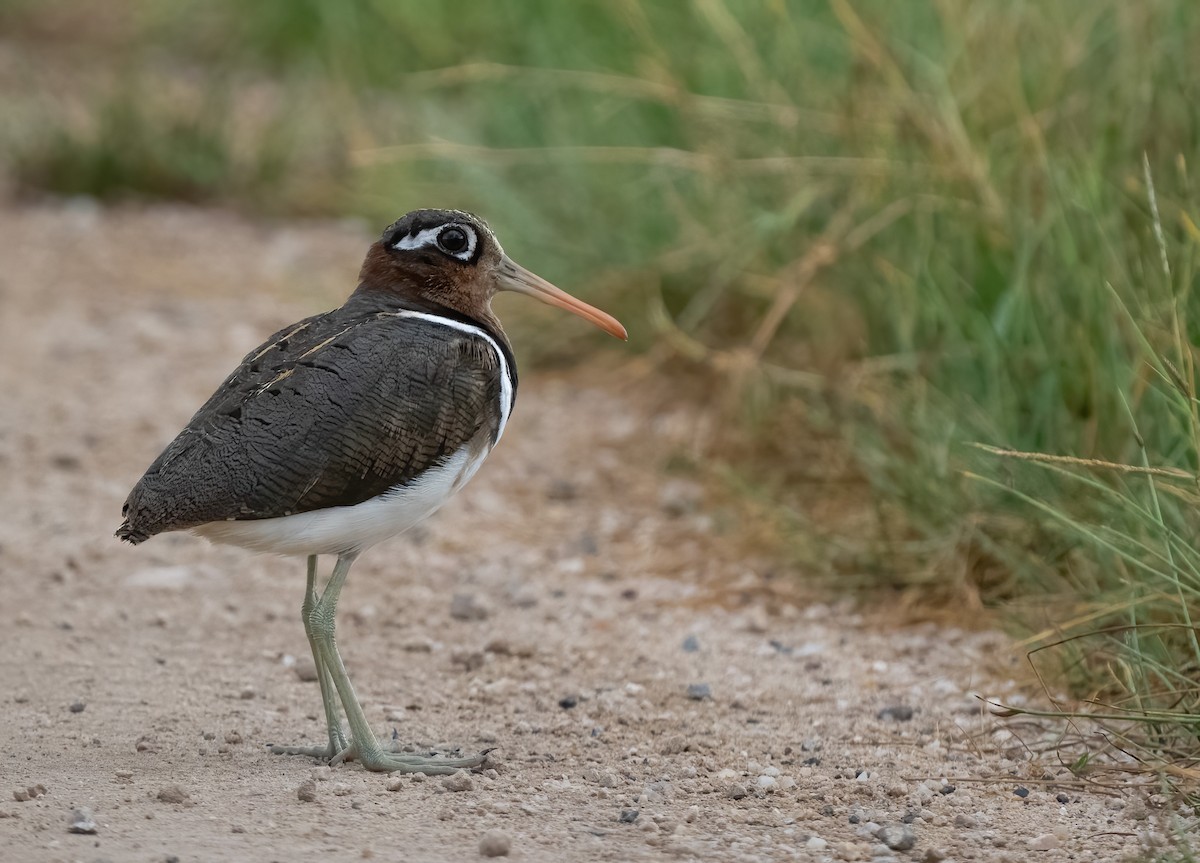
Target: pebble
x=495, y=843
x=898, y=837
x=691, y=644
x=767, y=783
x=173, y=794
x=965, y=821
x=896, y=713
x=699, y=691
x=628, y=816
x=77, y=707
x=568, y=702
x=396, y=785
x=736, y=792
x=464, y=606
x=1021, y=791
x=233, y=738
x=1046, y=842
x=460, y=781
x=1062, y=798
x=816, y=844
x=82, y=821
x=306, y=669
x=307, y=792
x=247, y=693
x=934, y=855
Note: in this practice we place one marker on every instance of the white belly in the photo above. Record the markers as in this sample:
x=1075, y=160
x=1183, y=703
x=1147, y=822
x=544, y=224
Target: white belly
x=349, y=528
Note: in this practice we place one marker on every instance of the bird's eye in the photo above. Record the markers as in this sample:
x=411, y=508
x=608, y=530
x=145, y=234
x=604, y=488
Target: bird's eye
x=453, y=239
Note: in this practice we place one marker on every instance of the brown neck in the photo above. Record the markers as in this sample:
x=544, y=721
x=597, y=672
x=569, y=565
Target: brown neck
x=429, y=282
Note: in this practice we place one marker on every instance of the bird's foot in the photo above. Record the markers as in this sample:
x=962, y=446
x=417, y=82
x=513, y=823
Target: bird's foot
x=331, y=750
x=375, y=758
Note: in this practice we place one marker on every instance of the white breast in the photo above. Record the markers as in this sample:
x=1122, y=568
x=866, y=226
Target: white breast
x=346, y=528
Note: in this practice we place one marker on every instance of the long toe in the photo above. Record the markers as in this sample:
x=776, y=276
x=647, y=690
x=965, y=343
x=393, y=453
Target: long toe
x=392, y=762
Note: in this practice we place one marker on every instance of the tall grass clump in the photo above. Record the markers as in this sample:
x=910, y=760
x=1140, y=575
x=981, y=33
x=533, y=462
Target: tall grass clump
x=883, y=232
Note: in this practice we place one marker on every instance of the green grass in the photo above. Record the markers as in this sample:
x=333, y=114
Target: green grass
x=896, y=229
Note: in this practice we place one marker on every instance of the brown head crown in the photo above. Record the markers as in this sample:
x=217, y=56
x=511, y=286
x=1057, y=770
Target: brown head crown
x=453, y=258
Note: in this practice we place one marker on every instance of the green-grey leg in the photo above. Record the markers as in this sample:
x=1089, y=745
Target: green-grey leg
x=364, y=746
x=329, y=697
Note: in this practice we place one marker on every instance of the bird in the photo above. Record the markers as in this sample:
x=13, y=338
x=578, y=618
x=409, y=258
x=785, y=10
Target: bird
x=350, y=427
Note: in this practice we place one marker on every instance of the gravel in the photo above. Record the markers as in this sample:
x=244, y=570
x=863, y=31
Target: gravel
x=82, y=821
x=460, y=781
x=77, y=707
x=173, y=794
x=699, y=691
x=898, y=837
x=465, y=606
x=307, y=792
x=495, y=843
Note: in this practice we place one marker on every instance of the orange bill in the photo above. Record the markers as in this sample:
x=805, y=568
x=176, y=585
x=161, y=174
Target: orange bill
x=514, y=277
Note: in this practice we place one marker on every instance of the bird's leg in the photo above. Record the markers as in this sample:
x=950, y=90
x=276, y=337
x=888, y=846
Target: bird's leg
x=364, y=746
x=329, y=697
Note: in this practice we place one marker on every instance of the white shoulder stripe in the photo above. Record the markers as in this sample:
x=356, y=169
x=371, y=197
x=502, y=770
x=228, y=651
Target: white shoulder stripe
x=506, y=387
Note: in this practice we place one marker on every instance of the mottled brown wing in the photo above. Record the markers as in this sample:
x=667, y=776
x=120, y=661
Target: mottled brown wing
x=331, y=412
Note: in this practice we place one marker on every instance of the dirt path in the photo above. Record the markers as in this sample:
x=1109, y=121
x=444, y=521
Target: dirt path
x=560, y=610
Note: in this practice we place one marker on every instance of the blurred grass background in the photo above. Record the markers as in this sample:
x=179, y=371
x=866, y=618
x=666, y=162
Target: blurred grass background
x=874, y=233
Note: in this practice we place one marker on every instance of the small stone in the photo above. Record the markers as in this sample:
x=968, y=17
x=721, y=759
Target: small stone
x=173, y=794
x=1062, y=798
x=82, y=821
x=562, y=490
x=464, y=606
x=898, y=837
x=965, y=821
x=396, y=785
x=495, y=843
x=699, y=691
x=691, y=644
x=567, y=703
x=307, y=792
x=608, y=779
x=934, y=855
x=947, y=789
x=306, y=669
x=470, y=660
x=20, y=795
x=77, y=707
x=247, y=693
x=233, y=738
x=628, y=816
x=816, y=844
x=767, y=783
x=679, y=497
x=1045, y=842
x=1021, y=791
x=736, y=792
x=460, y=781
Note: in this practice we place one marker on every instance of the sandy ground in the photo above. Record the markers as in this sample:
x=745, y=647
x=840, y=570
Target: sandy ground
x=572, y=608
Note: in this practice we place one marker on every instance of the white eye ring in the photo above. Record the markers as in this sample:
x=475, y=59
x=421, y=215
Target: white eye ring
x=428, y=238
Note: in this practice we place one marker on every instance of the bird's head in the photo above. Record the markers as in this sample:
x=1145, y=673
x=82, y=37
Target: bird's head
x=454, y=259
